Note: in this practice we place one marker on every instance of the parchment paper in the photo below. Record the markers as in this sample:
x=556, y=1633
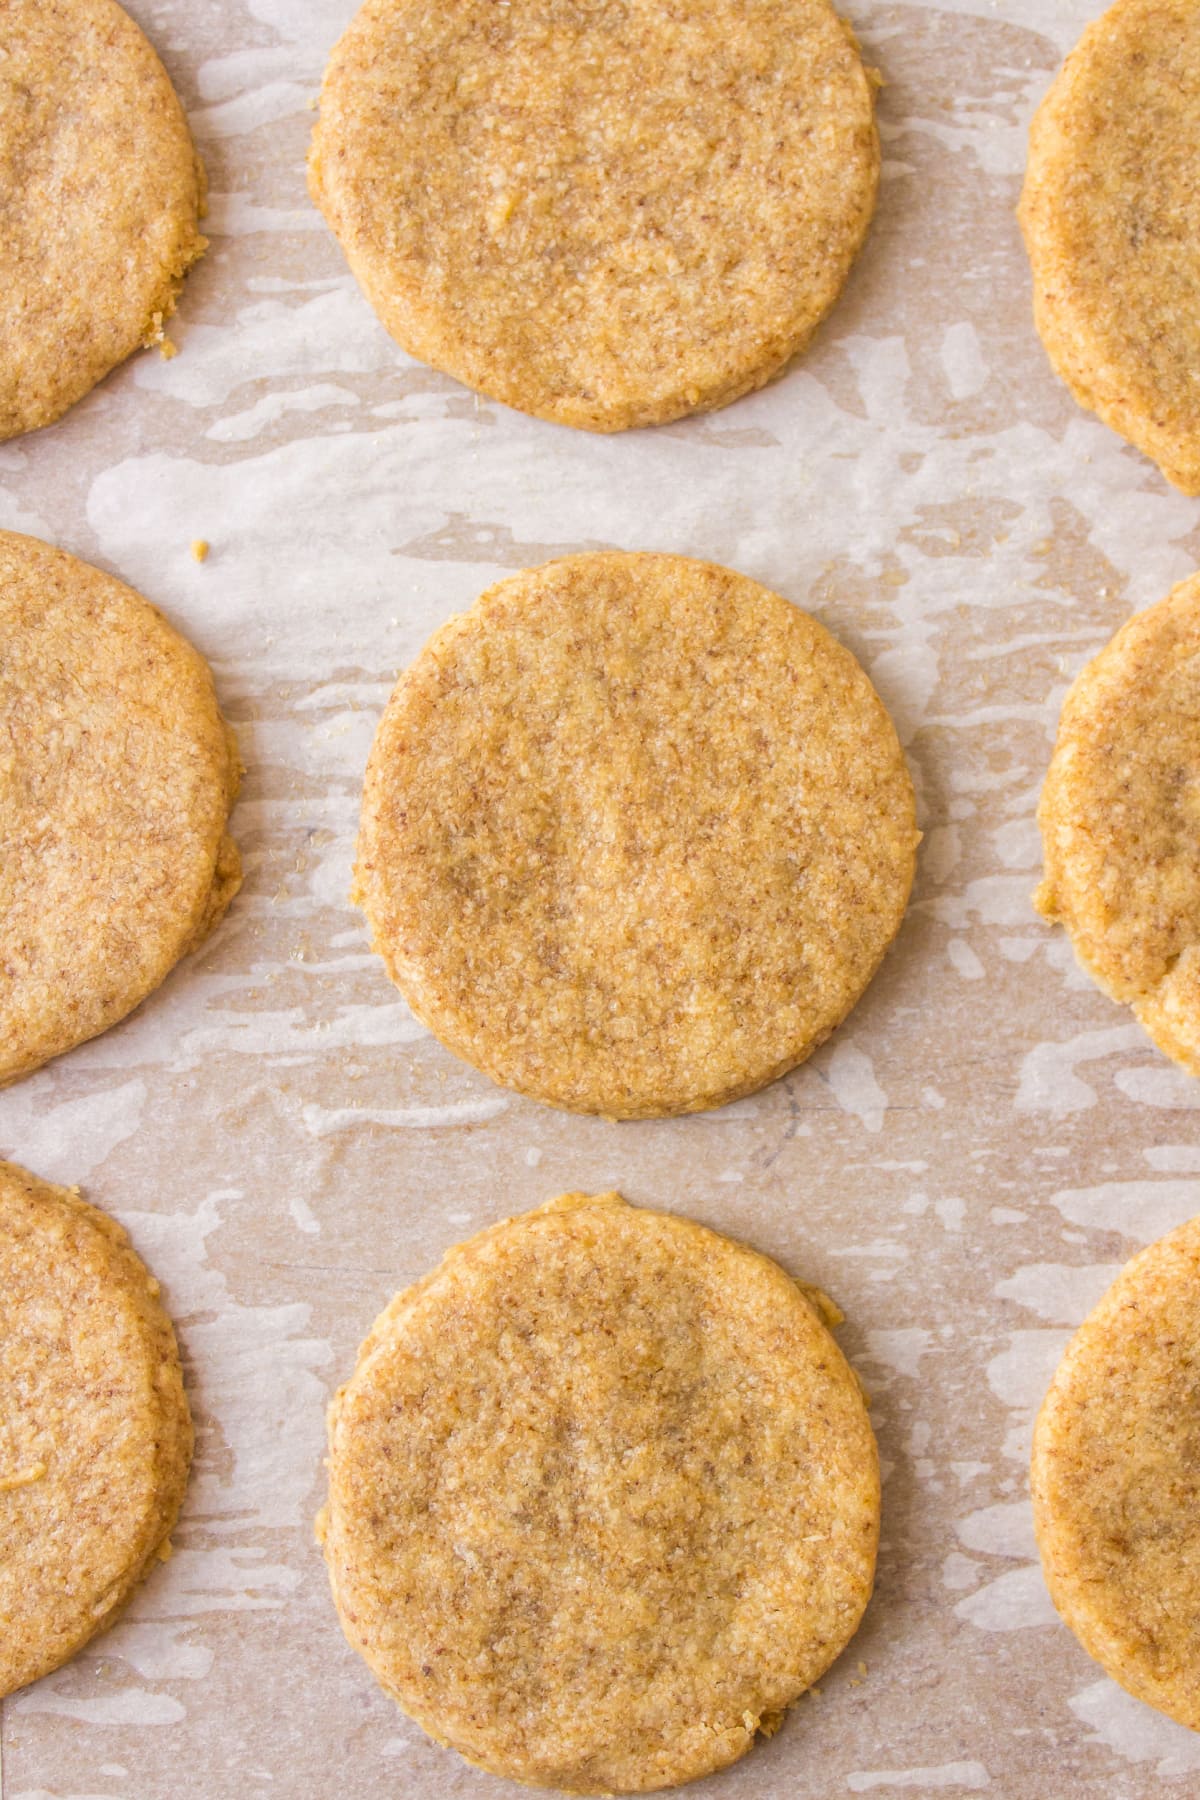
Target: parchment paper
x=963, y=1166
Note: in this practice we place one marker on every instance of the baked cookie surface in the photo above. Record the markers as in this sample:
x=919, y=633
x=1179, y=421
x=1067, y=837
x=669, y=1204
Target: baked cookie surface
x=1116, y=1478
x=100, y=194
x=95, y=1434
x=604, y=1498
x=1111, y=216
x=117, y=773
x=1119, y=816
x=606, y=215
x=636, y=834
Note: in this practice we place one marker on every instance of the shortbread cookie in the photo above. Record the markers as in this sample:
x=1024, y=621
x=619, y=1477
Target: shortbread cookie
x=1120, y=817
x=1116, y=1478
x=603, y=1499
x=636, y=833
x=604, y=215
x=117, y=773
x=95, y=1435
x=1111, y=215
x=100, y=193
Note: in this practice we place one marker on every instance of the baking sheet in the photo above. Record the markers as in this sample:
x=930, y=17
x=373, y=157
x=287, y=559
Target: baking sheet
x=963, y=1167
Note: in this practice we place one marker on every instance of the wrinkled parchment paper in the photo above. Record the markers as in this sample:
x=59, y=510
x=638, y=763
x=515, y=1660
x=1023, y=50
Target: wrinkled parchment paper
x=963, y=1166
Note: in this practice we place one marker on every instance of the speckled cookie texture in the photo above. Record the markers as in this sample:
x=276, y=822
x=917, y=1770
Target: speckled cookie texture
x=95, y=1434
x=607, y=214
x=100, y=194
x=1119, y=814
x=1111, y=215
x=636, y=834
x=603, y=1499
x=117, y=773
x=1116, y=1478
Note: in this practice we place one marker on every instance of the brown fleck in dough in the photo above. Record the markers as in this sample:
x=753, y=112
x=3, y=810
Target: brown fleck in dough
x=1111, y=215
x=604, y=212
x=636, y=834
x=603, y=1499
x=95, y=1434
x=1120, y=818
x=117, y=773
x=100, y=193
x=1116, y=1478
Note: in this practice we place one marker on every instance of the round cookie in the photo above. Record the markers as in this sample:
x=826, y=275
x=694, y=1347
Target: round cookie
x=1116, y=1478
x=117, y=773
x=636, y=834
x=100, y=193
x=1119, y=814
x=95, y=1434
x=1111, y=216
x=603, y=1500
x=606, y=216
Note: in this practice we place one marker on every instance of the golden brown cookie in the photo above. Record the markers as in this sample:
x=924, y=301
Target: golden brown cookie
x=1116, y=1478
x=117, y=773
x=1111, y=215
x=100, y=193
x=1120, y=814
x=95, y=1434
x=604, y=215
x=603, y=1498
x=636, y=834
